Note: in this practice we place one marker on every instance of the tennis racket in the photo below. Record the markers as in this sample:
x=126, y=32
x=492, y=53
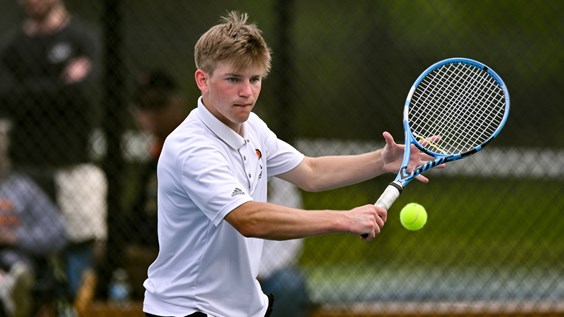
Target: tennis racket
x=454, y=109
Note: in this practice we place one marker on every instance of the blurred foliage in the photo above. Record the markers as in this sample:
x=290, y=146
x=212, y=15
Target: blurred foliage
x=466, y=223
x=354, y=61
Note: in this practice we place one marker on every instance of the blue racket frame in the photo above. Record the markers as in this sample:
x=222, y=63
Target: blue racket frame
x=403, y=177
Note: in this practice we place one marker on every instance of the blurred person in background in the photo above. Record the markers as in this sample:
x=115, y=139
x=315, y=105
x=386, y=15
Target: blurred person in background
x=158, y=108
x=31, y=228
x=48, y=65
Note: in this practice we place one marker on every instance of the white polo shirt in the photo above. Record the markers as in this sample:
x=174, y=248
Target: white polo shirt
x=204, y=172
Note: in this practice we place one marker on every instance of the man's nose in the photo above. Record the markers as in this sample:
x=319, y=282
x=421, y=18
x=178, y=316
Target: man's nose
x=245, y=89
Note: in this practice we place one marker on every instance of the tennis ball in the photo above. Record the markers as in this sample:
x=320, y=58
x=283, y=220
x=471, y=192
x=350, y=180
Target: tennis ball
x=413, y=216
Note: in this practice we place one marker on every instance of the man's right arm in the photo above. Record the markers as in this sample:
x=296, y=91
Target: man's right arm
x=276, y=222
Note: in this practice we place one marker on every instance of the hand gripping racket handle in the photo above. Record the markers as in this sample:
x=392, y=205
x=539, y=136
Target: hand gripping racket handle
x=387, y=198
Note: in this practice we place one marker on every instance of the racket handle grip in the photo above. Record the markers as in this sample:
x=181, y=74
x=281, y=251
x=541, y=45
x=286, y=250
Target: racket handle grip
x=387, y=198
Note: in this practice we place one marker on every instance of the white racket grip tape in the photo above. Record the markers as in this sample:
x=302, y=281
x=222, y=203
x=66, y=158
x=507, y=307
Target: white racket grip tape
x=389, y=196
x=386, y=200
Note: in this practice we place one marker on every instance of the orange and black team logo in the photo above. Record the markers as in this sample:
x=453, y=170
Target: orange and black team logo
x=259, y=153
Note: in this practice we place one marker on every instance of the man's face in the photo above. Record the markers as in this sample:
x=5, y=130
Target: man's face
x=160, y=122
x=38, y=9
x=228, y=94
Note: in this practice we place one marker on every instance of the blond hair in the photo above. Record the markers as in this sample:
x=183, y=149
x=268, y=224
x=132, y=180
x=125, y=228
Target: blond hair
x=235, y=41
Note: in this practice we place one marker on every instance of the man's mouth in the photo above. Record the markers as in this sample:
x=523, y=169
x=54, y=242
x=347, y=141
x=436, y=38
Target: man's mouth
x=243, y=105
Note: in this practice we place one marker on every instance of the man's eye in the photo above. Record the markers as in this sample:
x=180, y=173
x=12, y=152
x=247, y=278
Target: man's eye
x=255, y=80
x=232, y=79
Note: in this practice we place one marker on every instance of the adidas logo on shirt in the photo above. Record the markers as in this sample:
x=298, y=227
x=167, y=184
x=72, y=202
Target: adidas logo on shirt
x=236, y=192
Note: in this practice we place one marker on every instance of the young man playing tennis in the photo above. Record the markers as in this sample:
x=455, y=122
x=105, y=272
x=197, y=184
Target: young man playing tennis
x=212, y=186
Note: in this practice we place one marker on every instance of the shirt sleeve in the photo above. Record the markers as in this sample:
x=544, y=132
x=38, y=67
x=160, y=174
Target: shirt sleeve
x=281, y=156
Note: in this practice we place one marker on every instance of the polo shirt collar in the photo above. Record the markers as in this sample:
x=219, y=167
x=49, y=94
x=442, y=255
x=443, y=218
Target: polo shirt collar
x=222, y=131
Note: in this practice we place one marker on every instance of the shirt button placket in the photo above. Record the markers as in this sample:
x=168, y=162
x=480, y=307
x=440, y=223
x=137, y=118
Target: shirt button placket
x=246, y=163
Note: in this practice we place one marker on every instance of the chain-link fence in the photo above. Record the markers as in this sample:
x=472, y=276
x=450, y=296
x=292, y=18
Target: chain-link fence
x=341, y=72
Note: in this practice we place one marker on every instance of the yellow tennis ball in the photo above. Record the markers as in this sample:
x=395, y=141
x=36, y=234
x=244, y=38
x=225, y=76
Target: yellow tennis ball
x=413, y=216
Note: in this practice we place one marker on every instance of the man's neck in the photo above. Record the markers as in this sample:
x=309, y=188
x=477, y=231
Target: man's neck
x=55, y=20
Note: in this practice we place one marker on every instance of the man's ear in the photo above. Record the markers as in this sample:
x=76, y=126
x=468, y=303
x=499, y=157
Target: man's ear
x=201, y=80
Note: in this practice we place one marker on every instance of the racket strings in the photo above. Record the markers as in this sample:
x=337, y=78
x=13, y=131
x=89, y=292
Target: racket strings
x=470, y=96
x=484, y=117
x=455, y=97
x=456, y=108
